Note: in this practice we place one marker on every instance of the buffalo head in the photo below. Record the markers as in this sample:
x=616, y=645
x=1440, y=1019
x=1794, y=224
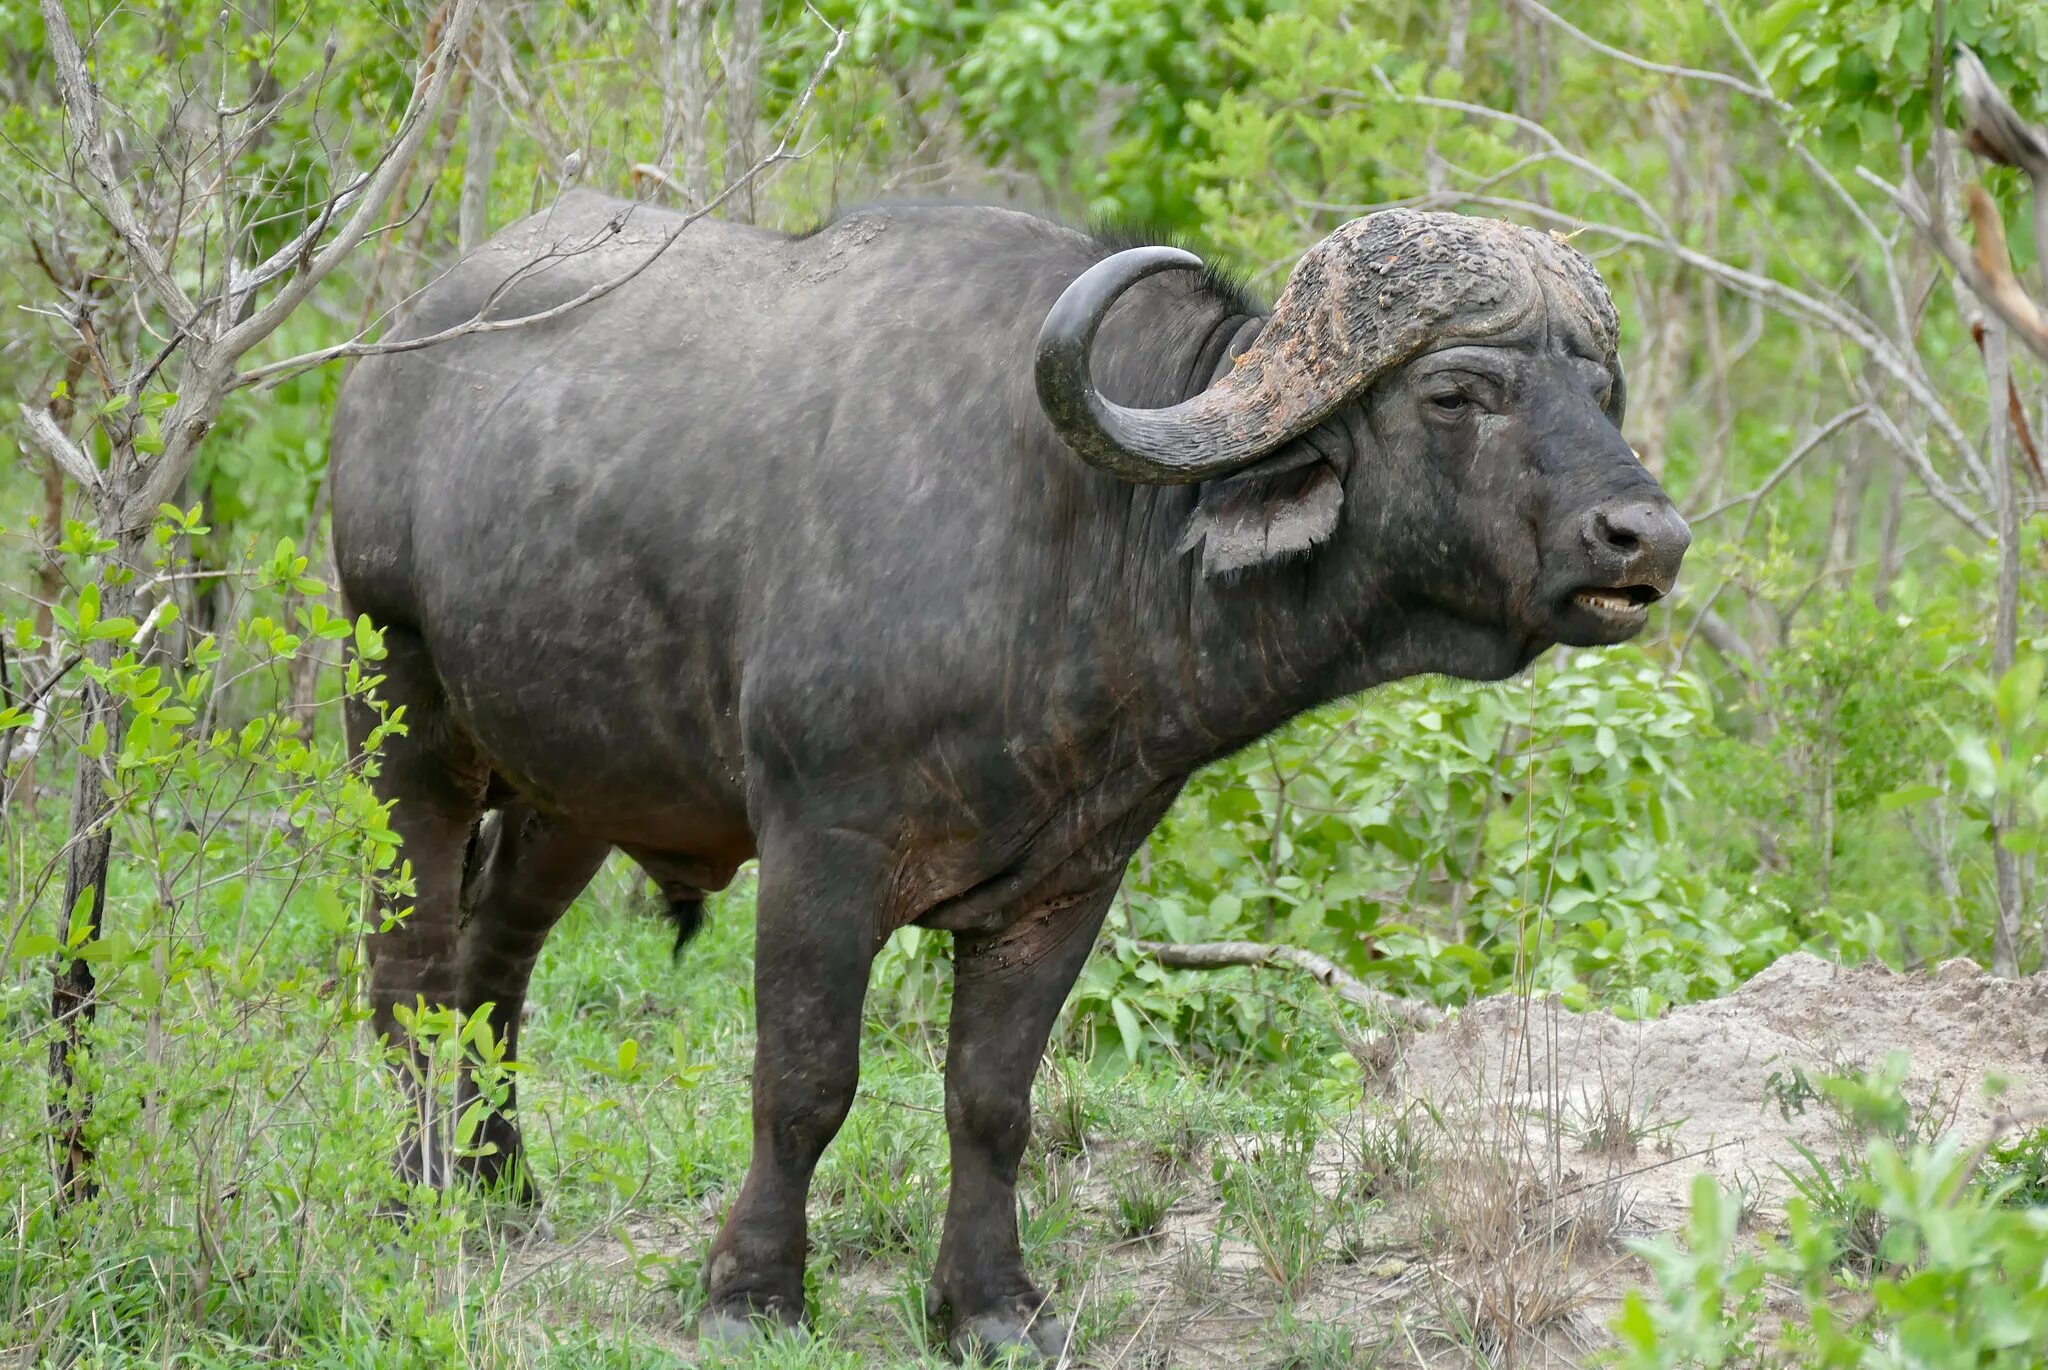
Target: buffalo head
x=1444, y=389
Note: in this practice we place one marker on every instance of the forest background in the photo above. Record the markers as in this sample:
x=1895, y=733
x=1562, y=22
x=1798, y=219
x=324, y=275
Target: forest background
x=1829, y=740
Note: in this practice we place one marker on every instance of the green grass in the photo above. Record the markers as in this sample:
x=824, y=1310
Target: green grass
x=247, y=1139
x=1197, y=1207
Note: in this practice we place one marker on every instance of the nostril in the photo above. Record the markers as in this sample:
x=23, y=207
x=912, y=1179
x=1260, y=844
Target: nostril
x=1638, y=536
x=1617, y=535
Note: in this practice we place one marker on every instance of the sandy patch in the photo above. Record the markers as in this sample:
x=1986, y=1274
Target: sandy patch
x=1711, y=1086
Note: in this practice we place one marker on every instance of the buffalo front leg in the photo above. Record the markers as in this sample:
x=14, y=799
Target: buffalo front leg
x=525, y=869
x=434, y=778
x=815, y=938
x=1007, y=990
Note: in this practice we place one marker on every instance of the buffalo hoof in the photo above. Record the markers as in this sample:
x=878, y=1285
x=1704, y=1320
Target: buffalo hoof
x=527, y=1226
x=728, y=1330
x=1022, y=1332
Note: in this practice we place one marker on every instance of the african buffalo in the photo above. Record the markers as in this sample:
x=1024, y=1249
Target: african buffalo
x=924, y=557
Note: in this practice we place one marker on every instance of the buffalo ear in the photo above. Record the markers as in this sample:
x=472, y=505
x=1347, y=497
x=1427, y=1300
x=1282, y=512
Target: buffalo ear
x=1261, y=517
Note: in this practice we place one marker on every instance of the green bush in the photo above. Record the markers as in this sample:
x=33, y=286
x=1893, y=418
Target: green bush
x=1910, y=1256
x=1446, y=840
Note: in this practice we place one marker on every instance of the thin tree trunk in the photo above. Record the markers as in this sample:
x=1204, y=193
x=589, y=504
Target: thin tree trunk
x=49, y=574
x=103, y=723
x=305, y=667
x=1668, y=342
x=692, y=112
x=2005, y=955
x=742, y=90
x=49, y=589
x=2030, y=887
x=1653, y=439
x=1458, y=28
x=411, y=247
x=480, y=161
x=1845, y=519
x=1891, y=552
x=1714, y=187
x=1827, y=744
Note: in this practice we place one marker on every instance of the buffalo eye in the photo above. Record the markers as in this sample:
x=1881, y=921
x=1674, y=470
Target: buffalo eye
x=1449, y=405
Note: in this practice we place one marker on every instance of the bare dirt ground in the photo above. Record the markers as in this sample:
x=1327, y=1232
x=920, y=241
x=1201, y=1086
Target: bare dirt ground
x=1541, y=1142
x=1709, y=1084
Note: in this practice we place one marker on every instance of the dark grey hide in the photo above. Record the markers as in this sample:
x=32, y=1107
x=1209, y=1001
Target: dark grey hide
x=829, y=550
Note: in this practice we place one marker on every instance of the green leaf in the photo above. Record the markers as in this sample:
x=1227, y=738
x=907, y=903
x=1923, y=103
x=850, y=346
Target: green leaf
x=2019, y=690
x=1907, y=795
x=79, y=929
x=1127, y=1028
x=36, y=945
x=369, y=642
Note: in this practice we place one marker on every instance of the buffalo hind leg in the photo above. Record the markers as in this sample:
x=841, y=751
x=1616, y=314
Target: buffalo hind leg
x=1007, y=991
x=436, y=778
x=525, y=868
x=815, y=938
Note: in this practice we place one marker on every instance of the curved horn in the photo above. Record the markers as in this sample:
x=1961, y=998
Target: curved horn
x=1372, y=296
x=1138, y=444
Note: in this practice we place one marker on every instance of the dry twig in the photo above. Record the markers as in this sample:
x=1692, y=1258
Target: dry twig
x=1327, y=973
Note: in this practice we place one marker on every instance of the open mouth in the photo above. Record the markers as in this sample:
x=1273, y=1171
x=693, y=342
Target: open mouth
x=1618, y=603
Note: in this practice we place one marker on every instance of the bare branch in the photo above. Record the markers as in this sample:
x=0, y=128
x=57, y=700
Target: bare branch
x=211, y=374
x=1733, y=646
x=1796, y=143
x=478, y=323
x=1719, y=78
x=1327, y=973
x=1996, y=131
x=1756, y=68
x=1987, y=272
x=82, y=116
x=50, y=440
x=1784, y=468
x=480, y=159
x=430, y=86
x=1916, y=457
x=1535, y=130
x=742, y=85
x=280, y=262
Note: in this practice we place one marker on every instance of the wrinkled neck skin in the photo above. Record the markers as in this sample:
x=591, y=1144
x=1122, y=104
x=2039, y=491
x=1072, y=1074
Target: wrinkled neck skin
x=1228, y=659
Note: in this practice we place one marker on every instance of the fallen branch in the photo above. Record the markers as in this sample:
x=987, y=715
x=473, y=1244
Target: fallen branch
x=1346, y=986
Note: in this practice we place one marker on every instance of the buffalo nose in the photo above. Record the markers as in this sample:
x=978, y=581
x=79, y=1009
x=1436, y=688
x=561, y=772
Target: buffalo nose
x=1641, y=541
